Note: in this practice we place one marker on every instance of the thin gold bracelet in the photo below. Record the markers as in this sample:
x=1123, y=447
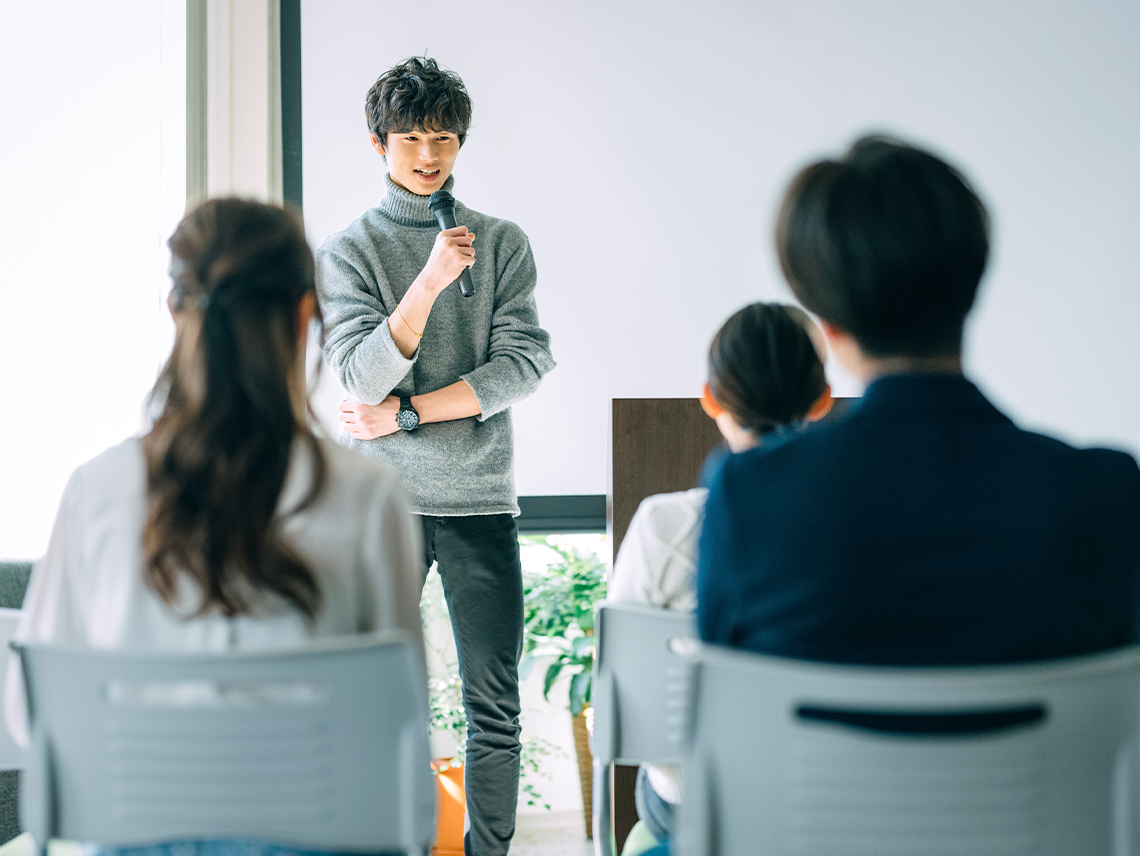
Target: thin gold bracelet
x=406, y=324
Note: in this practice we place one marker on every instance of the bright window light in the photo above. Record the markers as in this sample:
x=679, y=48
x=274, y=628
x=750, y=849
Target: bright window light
x=92, y=184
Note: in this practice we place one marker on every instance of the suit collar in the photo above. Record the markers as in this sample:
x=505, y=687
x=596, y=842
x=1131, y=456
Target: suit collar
x=927, y=394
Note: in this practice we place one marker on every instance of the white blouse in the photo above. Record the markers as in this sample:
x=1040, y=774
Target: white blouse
x=357, y=537
x=657, y=562
x=657, y=565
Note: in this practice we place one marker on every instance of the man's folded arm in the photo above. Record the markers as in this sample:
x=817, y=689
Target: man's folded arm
x=519, y=351
x=358, y=341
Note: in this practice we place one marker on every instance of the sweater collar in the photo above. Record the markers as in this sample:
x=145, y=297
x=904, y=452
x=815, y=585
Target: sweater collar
x=407, y=208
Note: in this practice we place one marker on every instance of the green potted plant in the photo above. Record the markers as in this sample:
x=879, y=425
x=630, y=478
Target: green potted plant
x=449, y=728
x=558, y=622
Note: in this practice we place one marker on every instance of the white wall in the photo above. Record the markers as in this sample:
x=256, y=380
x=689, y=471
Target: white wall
x=92, y=181
x=643, y=146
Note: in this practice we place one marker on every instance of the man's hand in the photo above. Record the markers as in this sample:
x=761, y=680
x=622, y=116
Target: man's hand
x=450, y=255
x=369, y=421
x=453, y=251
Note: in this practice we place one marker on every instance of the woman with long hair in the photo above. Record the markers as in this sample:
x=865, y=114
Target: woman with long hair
x=230, y=525
x=765, y=380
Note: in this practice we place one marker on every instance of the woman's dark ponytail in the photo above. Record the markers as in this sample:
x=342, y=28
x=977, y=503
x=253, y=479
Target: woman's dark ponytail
x=219, y=452
x=764, y=368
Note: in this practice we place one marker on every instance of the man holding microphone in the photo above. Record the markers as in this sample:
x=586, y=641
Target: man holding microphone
x=431, y=376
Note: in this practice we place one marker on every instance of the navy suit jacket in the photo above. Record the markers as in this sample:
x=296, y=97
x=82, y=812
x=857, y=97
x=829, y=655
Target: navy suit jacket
x=923, y=528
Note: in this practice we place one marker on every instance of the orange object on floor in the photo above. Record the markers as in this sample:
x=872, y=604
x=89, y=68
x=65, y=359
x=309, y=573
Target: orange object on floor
x=450, y=805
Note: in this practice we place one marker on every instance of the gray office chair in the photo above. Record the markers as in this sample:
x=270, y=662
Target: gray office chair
x=13, y=583
x=812, y=759
x=640, y=697
x=322, y=748
x=12, y=757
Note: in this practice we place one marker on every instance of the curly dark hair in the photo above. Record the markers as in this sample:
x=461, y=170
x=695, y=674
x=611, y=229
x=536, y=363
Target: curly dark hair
x=417, y=94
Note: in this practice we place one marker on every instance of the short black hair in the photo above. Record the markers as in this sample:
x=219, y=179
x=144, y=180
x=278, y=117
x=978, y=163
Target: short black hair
x=418, y=95
x=888, y=244
x=764, y=368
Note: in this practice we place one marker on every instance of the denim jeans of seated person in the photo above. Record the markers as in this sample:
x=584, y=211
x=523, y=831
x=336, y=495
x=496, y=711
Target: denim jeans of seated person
x=477, y=558
x=227, y=847
x=652, y=809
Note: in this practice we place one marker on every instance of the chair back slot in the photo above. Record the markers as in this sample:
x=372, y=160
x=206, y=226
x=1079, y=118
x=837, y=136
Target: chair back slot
x=927, y=722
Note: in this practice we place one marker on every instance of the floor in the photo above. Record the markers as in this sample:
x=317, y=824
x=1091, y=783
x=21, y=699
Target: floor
x=551, y=834
x=556, y=833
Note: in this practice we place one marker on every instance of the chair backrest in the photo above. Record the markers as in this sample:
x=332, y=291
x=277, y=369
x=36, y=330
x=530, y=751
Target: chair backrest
x=795, y=757
x=12, y=757
x=321, y=748
x=640, y=696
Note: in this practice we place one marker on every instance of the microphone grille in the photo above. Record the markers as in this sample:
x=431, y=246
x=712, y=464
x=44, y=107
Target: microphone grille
x=440, y=199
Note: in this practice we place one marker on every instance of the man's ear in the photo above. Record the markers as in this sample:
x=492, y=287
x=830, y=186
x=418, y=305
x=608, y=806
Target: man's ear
x=839, y=341
x=378, y=144
x=843, y=345
x=831, y=331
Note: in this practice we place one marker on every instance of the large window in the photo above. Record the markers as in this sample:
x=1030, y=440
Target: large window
x=92, y=181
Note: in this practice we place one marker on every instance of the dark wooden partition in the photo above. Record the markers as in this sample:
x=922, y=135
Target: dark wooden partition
x=657, y=445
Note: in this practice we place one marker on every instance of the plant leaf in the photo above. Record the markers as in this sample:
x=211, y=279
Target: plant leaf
x=581, y=646
x=551, y=676
x=580, y=691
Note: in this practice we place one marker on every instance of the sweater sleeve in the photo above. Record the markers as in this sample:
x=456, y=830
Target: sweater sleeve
x=358, y=342
x=519, y=352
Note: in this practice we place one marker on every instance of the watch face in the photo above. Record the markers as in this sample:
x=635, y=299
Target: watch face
x=408, y=420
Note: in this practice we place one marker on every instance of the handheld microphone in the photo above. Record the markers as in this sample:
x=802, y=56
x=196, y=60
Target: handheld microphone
x=442, y=205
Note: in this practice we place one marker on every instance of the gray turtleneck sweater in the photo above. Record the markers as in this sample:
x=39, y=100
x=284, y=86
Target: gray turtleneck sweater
x=491, y=340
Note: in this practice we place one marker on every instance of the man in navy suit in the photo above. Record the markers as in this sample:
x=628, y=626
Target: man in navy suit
x=923, y=527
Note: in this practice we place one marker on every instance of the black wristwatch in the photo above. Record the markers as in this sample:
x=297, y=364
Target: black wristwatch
x=408, y=418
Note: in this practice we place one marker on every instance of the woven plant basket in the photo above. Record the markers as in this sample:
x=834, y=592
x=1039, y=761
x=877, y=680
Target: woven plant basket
x=585, y=767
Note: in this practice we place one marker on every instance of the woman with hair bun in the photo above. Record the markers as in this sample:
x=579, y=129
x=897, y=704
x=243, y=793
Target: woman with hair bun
x=229, y=526
x=765, y=380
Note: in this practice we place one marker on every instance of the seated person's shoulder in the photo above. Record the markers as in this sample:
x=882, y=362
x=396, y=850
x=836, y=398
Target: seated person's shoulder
x=1111, y=466
x=1113, y=475
x=114, y=473
x=353, y=476
x=657, y=560
x=351, y=466
x=664, y=510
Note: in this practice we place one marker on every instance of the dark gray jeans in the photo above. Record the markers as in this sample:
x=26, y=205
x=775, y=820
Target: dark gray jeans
x=478, y=562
